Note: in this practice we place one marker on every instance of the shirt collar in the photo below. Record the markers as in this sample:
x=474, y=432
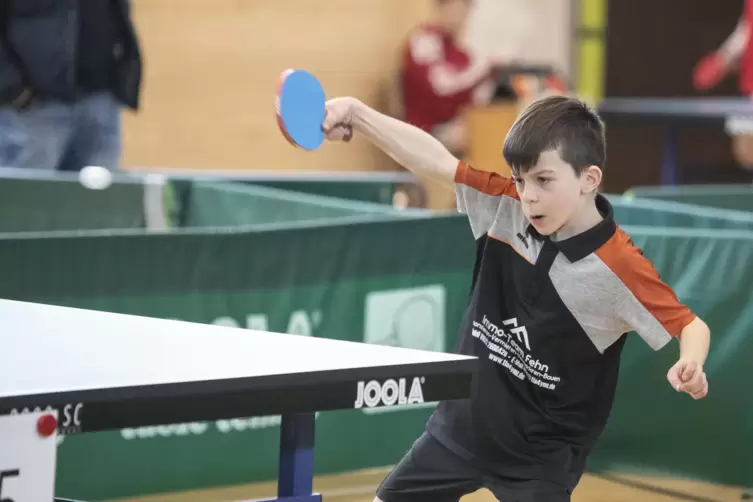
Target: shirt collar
x=579, y=246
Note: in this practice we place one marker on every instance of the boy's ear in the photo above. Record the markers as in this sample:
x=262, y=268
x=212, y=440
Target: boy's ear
x=590, y=179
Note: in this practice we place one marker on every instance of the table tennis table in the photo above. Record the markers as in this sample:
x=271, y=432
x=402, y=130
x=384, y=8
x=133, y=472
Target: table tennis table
x=734, y=114
x=112, y=371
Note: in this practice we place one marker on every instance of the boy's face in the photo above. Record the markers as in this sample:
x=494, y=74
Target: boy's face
x=554, y=198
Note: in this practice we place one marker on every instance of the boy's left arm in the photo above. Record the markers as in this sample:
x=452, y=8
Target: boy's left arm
x=687, y=374
x=651, y=308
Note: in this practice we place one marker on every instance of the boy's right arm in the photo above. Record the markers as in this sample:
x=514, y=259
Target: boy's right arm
x=411, y=147
x=479, y=194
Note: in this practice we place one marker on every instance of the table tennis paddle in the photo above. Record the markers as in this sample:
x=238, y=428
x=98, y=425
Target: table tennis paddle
x=301, y=107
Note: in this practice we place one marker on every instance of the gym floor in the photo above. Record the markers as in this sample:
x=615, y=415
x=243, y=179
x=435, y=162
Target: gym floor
x=360, y=486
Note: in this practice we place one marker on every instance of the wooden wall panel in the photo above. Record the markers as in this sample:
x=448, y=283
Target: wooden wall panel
x=211, y=70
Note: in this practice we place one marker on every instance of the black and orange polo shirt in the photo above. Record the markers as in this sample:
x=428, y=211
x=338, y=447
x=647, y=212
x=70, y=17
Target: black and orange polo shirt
x=548, y=320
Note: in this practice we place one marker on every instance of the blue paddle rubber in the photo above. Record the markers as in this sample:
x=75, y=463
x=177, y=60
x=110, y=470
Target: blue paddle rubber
x=302, y=109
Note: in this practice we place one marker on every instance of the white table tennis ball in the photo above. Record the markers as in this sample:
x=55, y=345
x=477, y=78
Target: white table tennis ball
x=95, y=177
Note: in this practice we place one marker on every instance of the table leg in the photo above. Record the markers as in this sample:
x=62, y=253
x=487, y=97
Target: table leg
x=669, y=167
x=296, y=475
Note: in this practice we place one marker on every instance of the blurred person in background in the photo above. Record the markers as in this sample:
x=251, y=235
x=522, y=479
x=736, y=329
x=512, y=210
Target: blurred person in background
x=439, y=77
x=735, y=53
x=67, y=68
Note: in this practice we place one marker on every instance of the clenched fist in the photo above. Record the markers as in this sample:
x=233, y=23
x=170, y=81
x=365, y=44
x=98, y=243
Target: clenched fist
x=338, y=120
x=688, y=376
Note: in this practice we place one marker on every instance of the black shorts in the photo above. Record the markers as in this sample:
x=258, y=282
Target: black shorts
x=429, y=472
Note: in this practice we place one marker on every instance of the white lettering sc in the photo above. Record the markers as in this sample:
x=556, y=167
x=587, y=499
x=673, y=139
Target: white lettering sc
x=70, y=421
x=72, y=415
x=391, y=392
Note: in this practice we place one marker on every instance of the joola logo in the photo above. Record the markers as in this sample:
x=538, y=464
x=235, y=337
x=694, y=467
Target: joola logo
x=391, y=392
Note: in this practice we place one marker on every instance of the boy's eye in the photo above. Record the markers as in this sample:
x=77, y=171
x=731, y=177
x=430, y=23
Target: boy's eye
x=543, y=180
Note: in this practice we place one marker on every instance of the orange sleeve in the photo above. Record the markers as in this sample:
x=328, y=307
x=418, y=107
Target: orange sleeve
x=485, y=182
x=639, y=275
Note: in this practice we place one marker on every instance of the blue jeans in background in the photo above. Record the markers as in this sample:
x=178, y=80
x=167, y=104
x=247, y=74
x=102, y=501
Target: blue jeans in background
x=62, y=136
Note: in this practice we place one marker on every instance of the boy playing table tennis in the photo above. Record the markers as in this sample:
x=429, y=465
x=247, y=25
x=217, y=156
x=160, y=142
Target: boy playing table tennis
x=556, y=287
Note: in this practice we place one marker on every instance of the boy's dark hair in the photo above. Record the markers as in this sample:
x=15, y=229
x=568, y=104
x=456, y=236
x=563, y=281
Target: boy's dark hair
x=559, y=123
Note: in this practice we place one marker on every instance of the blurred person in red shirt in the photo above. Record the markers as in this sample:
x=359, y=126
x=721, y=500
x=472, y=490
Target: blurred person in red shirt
x=736, y=52
x=439, y=77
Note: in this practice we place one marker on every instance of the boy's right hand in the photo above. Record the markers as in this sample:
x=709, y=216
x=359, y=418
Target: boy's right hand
x=338, y=120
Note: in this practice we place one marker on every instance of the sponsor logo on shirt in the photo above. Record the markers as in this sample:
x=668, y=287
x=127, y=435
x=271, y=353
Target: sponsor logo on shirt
x=510, y=346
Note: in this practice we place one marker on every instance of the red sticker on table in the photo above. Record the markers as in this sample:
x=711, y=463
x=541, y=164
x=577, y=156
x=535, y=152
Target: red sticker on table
x=46, y=425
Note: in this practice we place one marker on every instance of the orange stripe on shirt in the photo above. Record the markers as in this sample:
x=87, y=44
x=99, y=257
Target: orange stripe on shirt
x=500, y=239
x=642, y=279
x=483, y=181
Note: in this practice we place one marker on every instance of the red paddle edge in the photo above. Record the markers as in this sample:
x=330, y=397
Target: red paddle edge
x=278, y=113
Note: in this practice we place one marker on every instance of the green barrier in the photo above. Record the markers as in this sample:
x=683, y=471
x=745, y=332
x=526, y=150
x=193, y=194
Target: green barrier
x=735, y=197
x=377, y=187
x=52, y=202
x=217, y=204
x=366, y=186
x=37, y=201
x=380, y=193
x=652, y=212
x=408, y=284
